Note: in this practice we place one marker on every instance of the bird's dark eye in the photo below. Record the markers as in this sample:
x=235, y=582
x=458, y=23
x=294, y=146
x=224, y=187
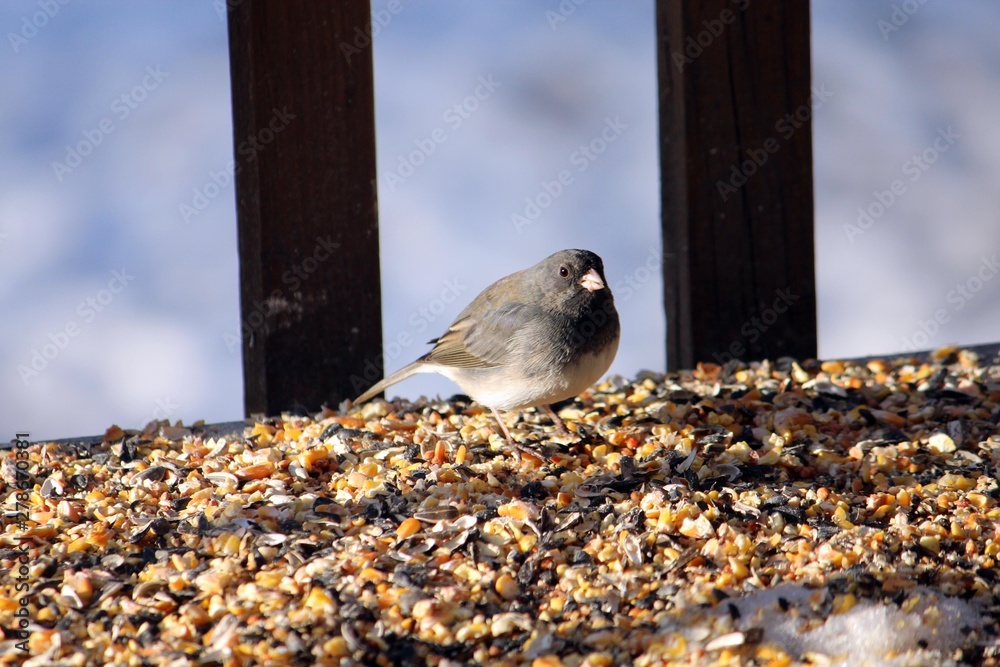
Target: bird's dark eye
x=563, y=271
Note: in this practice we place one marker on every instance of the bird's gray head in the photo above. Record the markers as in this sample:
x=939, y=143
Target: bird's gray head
x=573, y=280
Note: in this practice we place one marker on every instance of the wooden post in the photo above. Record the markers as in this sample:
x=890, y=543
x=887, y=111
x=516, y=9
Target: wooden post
x=736, y=173
x=304, y=130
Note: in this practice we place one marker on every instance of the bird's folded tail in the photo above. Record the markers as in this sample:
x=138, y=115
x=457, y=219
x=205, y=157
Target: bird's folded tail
x=385, y=383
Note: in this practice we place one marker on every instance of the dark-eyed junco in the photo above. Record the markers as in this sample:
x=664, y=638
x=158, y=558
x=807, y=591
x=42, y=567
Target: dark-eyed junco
x=538, y=336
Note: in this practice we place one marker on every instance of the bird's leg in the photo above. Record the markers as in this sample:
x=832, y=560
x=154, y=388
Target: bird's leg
x=557, y=420
x=503, y=427
x=518, y=447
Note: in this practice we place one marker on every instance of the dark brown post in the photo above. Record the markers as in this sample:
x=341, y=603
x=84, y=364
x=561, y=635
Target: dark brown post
x=736, y=170
x=304, y=125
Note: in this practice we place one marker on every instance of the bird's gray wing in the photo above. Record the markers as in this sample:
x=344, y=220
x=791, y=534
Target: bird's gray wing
x=483, y=342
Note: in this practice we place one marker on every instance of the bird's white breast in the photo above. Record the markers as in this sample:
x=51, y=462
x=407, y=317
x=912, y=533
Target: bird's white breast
x=510, y=389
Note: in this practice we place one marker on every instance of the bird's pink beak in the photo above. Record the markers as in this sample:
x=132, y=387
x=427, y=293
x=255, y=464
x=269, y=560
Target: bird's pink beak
x=591, y=281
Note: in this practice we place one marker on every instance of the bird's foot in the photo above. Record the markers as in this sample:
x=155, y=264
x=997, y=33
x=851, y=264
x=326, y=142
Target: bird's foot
x=561, y=428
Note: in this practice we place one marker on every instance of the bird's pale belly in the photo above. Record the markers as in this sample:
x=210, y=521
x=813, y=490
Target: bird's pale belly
x=576, y=378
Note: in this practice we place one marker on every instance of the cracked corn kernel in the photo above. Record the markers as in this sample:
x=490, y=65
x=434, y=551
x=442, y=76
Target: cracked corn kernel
x=547, y=661
x=843, y=603
x=507, y=587
x=408, y=527
x=931, y=542
x=320, y=601
x=336, y=647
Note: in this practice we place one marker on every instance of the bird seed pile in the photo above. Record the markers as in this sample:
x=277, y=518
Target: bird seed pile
x=775, y=513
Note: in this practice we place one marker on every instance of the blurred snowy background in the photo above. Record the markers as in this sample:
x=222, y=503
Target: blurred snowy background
x=116, y=306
